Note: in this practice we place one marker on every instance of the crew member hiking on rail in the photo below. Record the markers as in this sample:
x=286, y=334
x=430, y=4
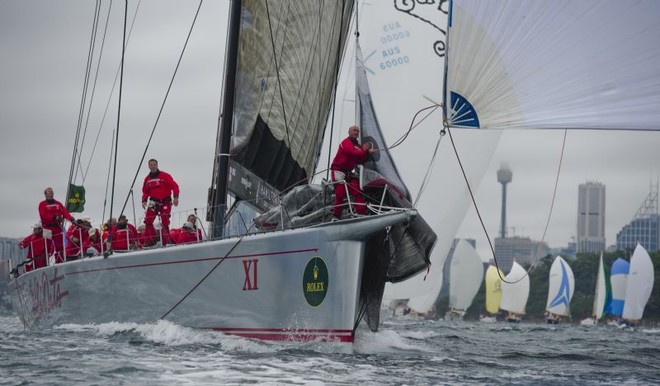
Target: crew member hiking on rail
x=157, y=191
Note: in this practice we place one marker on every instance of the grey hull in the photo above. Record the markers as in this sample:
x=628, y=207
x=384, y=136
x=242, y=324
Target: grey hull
x=297, y=284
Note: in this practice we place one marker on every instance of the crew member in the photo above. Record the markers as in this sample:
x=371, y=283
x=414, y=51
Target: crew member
x=39, y=248
x=123, y=236
x=159, y=193
x=349, y=155
x=53, y=214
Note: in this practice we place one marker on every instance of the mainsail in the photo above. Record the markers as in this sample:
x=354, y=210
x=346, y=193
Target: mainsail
x=288, y=55
x=553, y=64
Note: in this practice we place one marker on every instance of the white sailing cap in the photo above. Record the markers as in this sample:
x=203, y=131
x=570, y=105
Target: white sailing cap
x=92, y=231
x=36, y=225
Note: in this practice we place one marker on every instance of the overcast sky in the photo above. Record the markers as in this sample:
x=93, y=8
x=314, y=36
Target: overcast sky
x=45, y=44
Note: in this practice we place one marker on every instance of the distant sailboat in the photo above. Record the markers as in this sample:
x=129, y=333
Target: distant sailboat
x=602, y=296
x=561, y=285
x=465, y=274
x=493, y=284
x=638, y=286
x=515, y=291
x=618, y=278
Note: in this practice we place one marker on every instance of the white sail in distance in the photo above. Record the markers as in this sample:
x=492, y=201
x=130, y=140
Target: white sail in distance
x=639, y=284
x=515, y=290
x=465, y=274
x=561, y=286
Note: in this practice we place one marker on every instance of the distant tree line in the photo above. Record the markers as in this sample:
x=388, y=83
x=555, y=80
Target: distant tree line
x=585, y=269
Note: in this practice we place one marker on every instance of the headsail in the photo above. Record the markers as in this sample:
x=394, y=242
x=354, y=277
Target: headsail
x=603, y=293
x=553, y=64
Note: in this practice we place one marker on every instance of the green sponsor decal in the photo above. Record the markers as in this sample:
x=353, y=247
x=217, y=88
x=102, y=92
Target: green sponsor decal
x=315, y=281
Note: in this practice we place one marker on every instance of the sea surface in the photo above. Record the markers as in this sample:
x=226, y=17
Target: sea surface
x=405, y=351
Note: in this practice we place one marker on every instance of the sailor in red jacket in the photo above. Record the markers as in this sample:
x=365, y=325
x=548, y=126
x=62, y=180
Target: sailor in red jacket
x=53, y=214
x=77, y=235
x=185, y=235
x=349, y=155
x=159, y=193
x=123, y=236
x=39, y=248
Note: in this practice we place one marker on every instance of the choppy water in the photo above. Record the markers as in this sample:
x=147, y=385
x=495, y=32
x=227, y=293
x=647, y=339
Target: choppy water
x=405, y=351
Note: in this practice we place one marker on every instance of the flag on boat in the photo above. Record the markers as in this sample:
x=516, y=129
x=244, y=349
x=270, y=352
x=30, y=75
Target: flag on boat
x=75, y=203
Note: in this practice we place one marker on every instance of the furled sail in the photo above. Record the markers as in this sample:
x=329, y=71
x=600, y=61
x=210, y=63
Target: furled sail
x=553, y=64
x=288, y=58
x=561, y=285
x=639, y=285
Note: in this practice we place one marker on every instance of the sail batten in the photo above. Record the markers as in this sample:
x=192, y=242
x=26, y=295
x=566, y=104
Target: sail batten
x=554, y=65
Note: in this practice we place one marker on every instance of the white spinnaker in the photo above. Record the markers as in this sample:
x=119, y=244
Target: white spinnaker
x=590, y=64
x=391, y=33
x=465, y=274
x=515, y=290
x=561, y=286
x=639, y=284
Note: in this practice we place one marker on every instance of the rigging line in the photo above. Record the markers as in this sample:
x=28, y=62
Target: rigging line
x=552, y=202
x=83, y=99
x=121, y=87
x=277, y=73
x=107, y=180
x=334, y=97
x=91, y=101
x=162, y=106
x=414, y=125
x=483, y=226
x=209, y=272
x=114, y=84
x=427, y=175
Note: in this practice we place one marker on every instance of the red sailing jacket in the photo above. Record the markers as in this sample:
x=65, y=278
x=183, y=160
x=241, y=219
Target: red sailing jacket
x=78, y=232
x=38, y=246
x=159, y=187
x=123, y=239
x=181, y=236
x=49, y=213
x=349, y=155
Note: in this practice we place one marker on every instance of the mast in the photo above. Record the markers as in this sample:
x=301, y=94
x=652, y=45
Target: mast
x=218, y=202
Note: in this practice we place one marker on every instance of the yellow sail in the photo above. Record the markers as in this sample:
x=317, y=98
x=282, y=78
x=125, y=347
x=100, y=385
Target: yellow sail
x=493, y=289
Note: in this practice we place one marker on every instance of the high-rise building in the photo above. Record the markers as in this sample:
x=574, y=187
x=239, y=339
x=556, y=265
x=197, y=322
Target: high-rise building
x=504, y=176
x=591, y=218
x=644, y=228
x=521, y=249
